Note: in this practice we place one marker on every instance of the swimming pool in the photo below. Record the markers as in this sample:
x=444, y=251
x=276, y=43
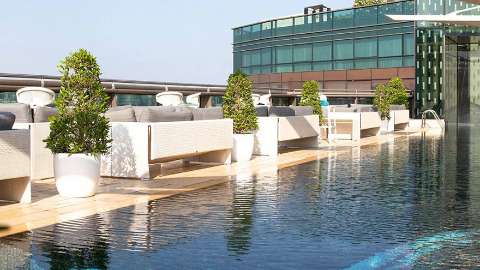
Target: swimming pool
x=412, y=203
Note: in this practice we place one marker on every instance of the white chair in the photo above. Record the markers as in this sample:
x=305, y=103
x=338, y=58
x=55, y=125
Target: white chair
x=193, y=100
x=35, y=96
x=330, y=121
x=169, y=98
x=264, y=100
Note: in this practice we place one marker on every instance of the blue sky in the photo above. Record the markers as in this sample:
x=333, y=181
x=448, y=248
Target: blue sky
x=161, y=40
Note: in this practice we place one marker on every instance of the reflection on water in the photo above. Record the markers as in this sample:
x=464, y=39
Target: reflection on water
x=412, y=203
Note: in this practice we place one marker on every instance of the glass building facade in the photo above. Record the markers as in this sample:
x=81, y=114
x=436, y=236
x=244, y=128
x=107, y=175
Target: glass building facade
x=346, y=39
x=445, y=57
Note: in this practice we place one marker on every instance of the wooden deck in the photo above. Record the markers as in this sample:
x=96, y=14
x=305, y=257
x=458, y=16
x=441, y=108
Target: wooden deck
x=49, y=208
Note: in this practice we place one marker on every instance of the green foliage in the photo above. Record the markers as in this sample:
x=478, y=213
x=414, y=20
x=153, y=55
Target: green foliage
x=363, y=3
x=311, y=97
x=394, y=93
x=397, y=91
x=238, y=103
x=80, y=126
x=381, y=101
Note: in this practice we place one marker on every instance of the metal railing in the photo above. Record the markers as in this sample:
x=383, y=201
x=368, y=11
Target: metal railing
x=435, y=115
x=10, y=82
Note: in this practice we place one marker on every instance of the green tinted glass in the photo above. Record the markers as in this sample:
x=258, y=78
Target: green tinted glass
x=322, y=22
x=366, y=63
x=340, y=65
x=284, y=54
x=390, y=62
x=366, y=16
x=322, y=51
x=303, y=24
x=302, y=53
x=302, y=67
x=343, y=49
x=135, y=100
x=266, y=56
x=409, y=44
x=389, y=9
x=283, y=68
x=343, y=18
x=366, y=47
x=390, y=45
x=319, y=66
x=284, y=26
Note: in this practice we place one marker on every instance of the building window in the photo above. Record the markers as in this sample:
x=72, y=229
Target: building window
x=217, y=101
x=390, y=46
x=366, y=63
x=409, y=61
x=409, y=44
x=8, y=97
x=135, y=100
x=343, y=49
x=284, y=54
x=320, y=66
x=283, y=68
x=366, y=47
x=341, y=65
x=322, y=51
x=390, y=62
x=343, y=18
x=302, y=53
x=266, y=56
x=300, y=67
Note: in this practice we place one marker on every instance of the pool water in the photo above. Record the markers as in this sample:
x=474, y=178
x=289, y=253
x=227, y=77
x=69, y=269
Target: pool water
x=411, y=203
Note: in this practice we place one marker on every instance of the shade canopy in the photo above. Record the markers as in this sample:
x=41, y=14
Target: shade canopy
x=450, y=18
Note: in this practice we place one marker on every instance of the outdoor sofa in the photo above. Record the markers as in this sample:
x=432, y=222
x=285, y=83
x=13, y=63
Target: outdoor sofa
x=282, y=126
x=143, y=138
x=15, y=161
x=399, y=118
x=353, y=123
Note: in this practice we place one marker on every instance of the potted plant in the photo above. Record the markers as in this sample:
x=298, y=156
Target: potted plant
x=393, y=93
x=238, y=106
x=311, y=97
x=79, y=134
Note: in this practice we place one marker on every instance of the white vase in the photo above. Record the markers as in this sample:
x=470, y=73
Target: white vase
x=242, y=147
x=76, y=175
x=387, y=126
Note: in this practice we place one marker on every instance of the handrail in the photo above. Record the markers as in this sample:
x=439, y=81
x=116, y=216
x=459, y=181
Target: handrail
x=435, y=115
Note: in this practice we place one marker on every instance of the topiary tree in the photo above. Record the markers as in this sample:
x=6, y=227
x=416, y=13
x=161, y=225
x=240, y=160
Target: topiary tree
x=80, y=126
x=394, y=93
x=381, y=101
x=397, y=92
x=238, y=104
x=311, y=97
x=363, y=3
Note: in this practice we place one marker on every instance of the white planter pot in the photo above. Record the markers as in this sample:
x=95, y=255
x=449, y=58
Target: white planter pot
x=387, y=126
x=76, y=175
x=242, y=147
